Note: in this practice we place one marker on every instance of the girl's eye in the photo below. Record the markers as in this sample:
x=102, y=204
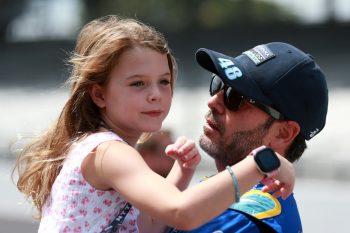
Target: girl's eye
x=137, y=84
x=165, y=81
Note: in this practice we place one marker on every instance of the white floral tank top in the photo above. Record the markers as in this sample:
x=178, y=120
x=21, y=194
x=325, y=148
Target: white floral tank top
x=74, y=205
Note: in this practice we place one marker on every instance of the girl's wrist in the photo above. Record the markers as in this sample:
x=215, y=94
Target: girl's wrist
x=188, y=168
x=250, y=160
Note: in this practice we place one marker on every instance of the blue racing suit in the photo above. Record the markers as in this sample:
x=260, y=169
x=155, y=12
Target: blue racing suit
x=256, y=206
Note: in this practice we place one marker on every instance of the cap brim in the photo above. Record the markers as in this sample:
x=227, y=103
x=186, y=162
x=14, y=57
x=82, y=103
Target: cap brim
x=205, y=58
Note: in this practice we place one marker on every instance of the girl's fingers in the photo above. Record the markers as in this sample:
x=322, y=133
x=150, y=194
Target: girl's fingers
x=176, y=146
x=278, y=188
x=172, y=155
x=181, y=147
x=186, y=147
x=189, y=155
x=267, y=181
x=193, y=162
x=170, y=150
x=185, y=151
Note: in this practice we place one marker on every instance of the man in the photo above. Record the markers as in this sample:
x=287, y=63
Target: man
x=273, y=95
x=153, y=149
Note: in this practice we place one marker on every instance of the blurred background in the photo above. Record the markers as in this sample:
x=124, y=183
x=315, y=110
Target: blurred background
x=36, y=37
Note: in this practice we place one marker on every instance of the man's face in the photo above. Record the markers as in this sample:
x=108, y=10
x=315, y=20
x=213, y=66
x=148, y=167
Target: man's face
x=229, y=136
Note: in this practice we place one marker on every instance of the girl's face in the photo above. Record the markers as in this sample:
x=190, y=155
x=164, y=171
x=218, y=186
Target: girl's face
x=138, y=95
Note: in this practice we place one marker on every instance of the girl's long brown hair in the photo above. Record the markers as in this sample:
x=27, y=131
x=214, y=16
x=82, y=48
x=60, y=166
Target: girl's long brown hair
x=99, y=45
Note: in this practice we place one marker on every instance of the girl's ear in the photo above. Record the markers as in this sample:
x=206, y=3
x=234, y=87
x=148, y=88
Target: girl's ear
x=96, y=94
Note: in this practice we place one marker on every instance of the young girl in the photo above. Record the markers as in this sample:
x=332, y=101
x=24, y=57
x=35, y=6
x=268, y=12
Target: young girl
x=83, y=170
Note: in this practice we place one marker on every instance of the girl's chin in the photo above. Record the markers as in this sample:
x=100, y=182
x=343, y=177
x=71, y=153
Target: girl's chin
x=152, y=129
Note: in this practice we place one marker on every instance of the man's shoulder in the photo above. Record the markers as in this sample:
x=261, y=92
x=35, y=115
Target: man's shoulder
x=263, y=205
x=229, y=221
x=281, y=215
x=259, y=204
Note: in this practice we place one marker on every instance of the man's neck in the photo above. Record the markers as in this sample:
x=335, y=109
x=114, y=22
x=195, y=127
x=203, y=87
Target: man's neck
x=220, y=166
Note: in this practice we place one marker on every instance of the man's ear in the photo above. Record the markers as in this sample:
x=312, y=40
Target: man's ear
x=97, y=95
x=287, y=131
x=282, y=135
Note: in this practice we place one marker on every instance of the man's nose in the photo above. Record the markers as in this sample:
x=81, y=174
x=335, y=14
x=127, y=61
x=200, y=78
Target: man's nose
x=217, y=102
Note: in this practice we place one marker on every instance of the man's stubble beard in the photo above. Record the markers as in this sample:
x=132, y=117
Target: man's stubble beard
x=231, y=150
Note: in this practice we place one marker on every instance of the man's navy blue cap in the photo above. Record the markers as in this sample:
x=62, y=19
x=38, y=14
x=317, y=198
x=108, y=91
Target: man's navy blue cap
x=278, y=75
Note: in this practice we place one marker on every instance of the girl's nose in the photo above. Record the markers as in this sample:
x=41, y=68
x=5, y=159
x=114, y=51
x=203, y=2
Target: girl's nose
x=154, y=94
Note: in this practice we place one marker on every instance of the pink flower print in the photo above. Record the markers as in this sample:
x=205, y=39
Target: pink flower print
x=72, y=182
x=132, y=222
x=64, y=197
x=76, y=169
x=77, y=229
x=91, y=190
x=64, y=212
x=75, y=193
x=123, y=228
x=82, y=182
x=100, y=193
x=83, y=212
x=72, y=218
x=66, y=229
x=85, y=200
x=111, y=192
x=107, y=202
x=108, y=219
x=87, y=224
x=73, y=205
x=97, y=210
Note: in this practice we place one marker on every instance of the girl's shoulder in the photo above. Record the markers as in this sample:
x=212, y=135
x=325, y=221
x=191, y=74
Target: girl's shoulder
x=90, y=142
x=102, y=137
x=95, y=139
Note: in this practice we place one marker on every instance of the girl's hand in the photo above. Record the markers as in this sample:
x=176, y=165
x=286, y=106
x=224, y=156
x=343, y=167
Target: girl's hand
x=185, y=152
x=281, y=184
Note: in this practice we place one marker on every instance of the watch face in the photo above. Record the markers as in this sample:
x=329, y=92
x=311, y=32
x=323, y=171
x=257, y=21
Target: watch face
x=267, y=160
